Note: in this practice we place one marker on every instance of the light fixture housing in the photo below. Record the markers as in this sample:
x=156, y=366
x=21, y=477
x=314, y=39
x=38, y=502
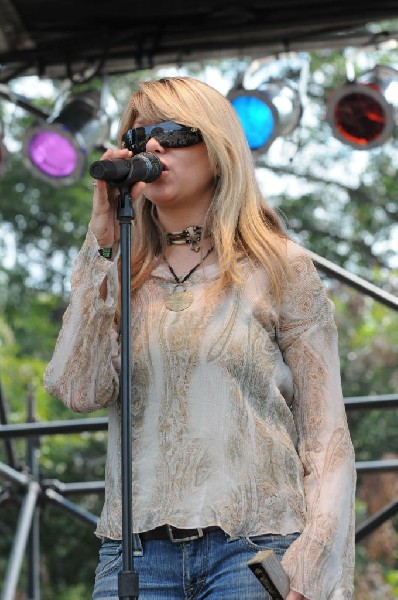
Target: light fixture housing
x=4, y=156
x=56, y=150
x=271, y=110
x=362, y=113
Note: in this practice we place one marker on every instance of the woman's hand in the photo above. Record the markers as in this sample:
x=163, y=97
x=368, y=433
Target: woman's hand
x=292, y=595
x=104, y=223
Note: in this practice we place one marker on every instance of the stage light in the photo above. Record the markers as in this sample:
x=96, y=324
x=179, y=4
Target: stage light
x=272, y=110
x=3, y=159
x=4, y=162
x=56, y=150
x=362, y=113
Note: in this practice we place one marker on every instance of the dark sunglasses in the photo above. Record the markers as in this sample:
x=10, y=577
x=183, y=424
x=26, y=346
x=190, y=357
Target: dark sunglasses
x=168, y=134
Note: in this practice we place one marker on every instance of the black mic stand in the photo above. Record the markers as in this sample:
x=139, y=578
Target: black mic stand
x=144, y=167
x=128, y=585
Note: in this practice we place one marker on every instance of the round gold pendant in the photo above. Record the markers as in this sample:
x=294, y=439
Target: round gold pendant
x=178, y=300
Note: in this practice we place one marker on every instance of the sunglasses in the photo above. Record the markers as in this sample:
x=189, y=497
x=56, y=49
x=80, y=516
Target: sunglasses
x=168, y=134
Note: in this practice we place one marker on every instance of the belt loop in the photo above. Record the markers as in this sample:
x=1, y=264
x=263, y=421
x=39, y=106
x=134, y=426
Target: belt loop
x=137, y=545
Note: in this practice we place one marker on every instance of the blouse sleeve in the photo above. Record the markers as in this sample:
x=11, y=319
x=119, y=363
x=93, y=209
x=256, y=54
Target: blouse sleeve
x=320, y=563
x=83, y=370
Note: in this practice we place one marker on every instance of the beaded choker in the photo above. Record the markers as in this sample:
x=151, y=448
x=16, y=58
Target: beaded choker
x=191, y=235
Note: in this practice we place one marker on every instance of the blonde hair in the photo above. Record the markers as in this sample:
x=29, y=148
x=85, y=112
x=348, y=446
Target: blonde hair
x=240, y=221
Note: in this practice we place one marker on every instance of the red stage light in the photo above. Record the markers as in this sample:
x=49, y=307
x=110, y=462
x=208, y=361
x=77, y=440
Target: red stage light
x=359, y=113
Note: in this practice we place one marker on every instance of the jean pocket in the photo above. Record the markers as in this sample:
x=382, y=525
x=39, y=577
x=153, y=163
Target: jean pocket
x=278, y=543
x=110, y=558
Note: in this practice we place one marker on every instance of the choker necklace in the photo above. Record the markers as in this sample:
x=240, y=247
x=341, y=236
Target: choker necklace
x=181, y=298
x=190, y=235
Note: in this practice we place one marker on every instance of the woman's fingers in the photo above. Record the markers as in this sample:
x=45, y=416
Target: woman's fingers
x=103, y=214
x=103, y=222
x=113, y=153
x=292, y=595
x=137, y=190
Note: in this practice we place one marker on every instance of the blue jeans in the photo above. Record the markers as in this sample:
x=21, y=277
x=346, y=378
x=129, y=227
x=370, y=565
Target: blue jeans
x=214, y=566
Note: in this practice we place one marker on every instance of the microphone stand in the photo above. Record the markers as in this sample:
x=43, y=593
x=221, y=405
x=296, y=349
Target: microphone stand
x=128, y=583
x=144, y=167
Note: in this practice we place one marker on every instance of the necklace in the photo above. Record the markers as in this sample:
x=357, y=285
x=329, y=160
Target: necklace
x=181, y=298
x=190, y=235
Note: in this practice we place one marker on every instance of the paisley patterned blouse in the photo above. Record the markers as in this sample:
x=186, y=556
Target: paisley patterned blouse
x=238, y=418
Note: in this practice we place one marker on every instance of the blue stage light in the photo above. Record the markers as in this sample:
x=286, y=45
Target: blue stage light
x=272, y=110
x=258, y=118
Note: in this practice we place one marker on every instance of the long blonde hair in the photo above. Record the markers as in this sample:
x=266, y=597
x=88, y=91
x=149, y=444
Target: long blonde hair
x=240, y=221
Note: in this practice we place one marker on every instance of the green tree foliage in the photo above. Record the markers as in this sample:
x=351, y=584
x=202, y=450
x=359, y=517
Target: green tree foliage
x=338, y=202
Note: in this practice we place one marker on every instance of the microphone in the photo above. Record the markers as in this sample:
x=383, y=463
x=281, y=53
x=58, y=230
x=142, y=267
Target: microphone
x=143, y=167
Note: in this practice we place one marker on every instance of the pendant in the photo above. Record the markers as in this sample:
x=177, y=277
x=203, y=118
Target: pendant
x=179, y=300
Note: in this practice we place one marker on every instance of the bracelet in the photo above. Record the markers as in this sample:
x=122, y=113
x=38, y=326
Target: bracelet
x=105, y=252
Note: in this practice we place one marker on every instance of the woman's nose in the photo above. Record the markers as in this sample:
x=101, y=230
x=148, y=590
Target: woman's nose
x=153, y=146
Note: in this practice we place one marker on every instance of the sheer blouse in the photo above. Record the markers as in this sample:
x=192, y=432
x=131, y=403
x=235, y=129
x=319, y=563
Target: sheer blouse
x=238, y=417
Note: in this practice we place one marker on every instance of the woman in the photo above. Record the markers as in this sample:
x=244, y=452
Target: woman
x=240, y=440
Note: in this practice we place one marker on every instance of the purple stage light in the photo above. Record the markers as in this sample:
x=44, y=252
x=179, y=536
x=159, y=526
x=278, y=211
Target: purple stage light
x=53, y=154
x=56, y=150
